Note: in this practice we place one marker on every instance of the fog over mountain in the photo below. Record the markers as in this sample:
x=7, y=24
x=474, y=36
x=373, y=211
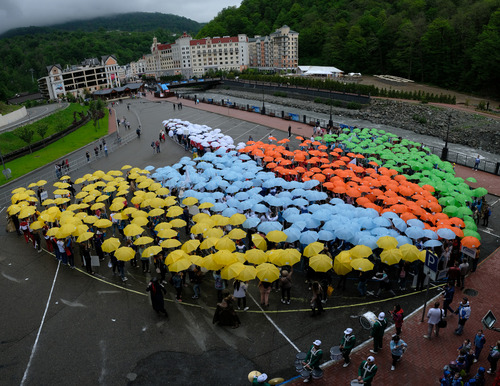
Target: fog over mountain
x=25, y=13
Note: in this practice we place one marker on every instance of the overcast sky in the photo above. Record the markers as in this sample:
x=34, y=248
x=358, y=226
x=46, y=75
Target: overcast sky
x=25, y=13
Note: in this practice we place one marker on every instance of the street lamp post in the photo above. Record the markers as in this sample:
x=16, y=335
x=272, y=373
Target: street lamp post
x=330, y=122
x=444, y=153
x=263, y=112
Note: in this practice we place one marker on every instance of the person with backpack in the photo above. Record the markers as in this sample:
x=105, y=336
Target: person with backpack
x=240, y=293
x=434, y=316
x=286, y=285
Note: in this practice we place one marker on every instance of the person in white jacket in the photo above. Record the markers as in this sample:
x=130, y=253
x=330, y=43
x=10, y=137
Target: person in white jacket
x=434, y=315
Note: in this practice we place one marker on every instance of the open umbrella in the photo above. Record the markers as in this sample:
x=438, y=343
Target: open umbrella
x=224, y=257
x=190, y=245
x=363, y=265
x=387, y=242
x=255, y=256
x=124, y=253
x=170, y=243
x=84, y=237
x=360, y=251
x=276, y=236
x=166, y=233
x=248, y=273
x=313, y=249
x=151, y=251
x=132, y=230
x=231, y=271
x=237, y=219
x=237, y=234
x=391, y=256
x=470, y=242
x=288, y=256
x=409, y=252
x=179, y=265
x=103, y=223
x=267, y=272
x=320, y=262
x=259, y=241
x=110, y=245
x=209, y=263
x=225, y=243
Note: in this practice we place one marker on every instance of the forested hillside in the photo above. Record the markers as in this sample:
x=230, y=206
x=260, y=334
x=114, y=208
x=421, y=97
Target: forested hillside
x=127, y=36
x=450, y=43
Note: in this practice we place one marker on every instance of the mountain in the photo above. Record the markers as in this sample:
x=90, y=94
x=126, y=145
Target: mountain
x=127, y=36
x=449, y=43
x=135, y=21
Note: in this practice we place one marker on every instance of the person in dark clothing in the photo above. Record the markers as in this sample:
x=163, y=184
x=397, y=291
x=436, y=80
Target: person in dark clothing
x=449, y=293
x=85, y=254
x=156, y=290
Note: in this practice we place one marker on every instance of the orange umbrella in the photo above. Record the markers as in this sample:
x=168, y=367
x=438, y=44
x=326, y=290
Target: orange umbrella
x=299, y=138
x=319, y=177
x=271, y=165
x=470, y=242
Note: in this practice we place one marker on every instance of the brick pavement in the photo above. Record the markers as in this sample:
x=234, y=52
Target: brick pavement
x=423, y=362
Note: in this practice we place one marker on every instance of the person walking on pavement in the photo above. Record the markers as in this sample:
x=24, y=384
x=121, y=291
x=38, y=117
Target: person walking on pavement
x=479, y=341
x=434, y=316
x=476, y=163
x=449, y=293
x=493, y=358
x=398, y=347
x=366, y=371
x=289, y=131
x=397, y=318
x=313, y=359
x=463, y=313
x=377, y=332
x=286, y=285
x=156, y=290
x=346, y=346
x=464, y=270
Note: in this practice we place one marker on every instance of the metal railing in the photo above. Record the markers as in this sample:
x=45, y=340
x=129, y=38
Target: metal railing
x=76, y=161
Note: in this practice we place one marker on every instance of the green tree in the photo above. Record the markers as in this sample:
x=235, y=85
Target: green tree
x=96, y=111
x=41, y=129
x=26, y=134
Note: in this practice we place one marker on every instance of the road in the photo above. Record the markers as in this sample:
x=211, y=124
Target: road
x=61, y=324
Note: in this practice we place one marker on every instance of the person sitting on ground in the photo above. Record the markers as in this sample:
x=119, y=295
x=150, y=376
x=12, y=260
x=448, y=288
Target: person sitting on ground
x=225, y=314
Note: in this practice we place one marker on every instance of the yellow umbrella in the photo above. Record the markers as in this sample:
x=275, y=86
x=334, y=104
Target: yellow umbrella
x=52, y=231
x=98, y=205
x=232, y=270
x=176, y=255
x=129, y=210
x=422, y=256
x=268, y=272
x=313, y=249
x=41, y=183
x=166, y=233
x=153, y=250
x=321, y=263
x=18, y=190
x=154, y=186
x=156, y=202
x=125, y=167
x=202, y=217
x=49, y=217
x=362, y=265
x=80, y=180
x=220, y=220
x=224, y=257
x=120, y=216
x=288, y=256
x=387, y=242
x=237, y=234
x=391, y=256
x=90, y=219
x=81, y=215
x=26, y=211
x=73, y=207
x=110, y=245
x=81, y=195
x=48, y=201
x=37, y=225
x=206, y=205
x=360, y=251
x=155, y=212
x=178, y=223
x=61, y=185
x=115, y=206
x=65, y=231
x=409, y=252
x=170, y=200
x=174, y=211
x=124, y=253
x=61, y=192
x=162, y=191
x=208, y=242
x=170, y=243
x=122, y=192
x=143, y=240
x=61, y=200
x=256, y=256
x=139, y=213
x=276, y=236
x=137, y=200
x=179, y=265
x=189, y=201
x=259, y=241
x=225, y=243
x=273, y=255
x=132, y=230
x=190, y=245
x=13, y=209
x=88, y=198
x=237, y=219
x=201, y=227
x=84, y=237
x=103, y=223
x=214, y=232
x=248, y=273
x=141, y=221
x=80, y=229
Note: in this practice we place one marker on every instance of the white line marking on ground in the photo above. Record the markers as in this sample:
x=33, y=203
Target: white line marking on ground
x=41, y=325
x=267, y=136
x=272, y=322
x=490, y=205
x=3, y=208
x=487, y=231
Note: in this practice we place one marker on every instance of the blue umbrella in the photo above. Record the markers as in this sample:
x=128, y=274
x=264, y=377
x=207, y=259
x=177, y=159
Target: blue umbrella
x=308, y=237
x=268, y=226
x=273, y=201
x=321, y=215
x=390, y=215
x=260, y=208
x=245, y=205
x=370, y=212
x=284, y=194
x=382, y=222
x=414, y=233
x=432, y=243
x=289, y=212
x=366, y=223
x=402, y=240
x=415, y=222
x=149, y=168
x=218, y=207
x=299, y=192
x=379, y=231
x=209, y=173
x=232, y=202
x=313, y=195
x=369, y=241
x=211, y=185
x=430, y=234
x=204, y=165
x=228, y=212
x=300, y=202
x=217, y=195
x=399, y=224
x=338, y=201
x=244, y=157
x=345, y=233
x=293, y=234
x=251, y=222
x=232, y=189
x=241, y=196
x=446, y=233
x=207, y=198
x=310, y=184
x=326, y=235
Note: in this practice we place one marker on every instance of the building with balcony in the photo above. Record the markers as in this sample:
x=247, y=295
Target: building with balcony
x=93, y=74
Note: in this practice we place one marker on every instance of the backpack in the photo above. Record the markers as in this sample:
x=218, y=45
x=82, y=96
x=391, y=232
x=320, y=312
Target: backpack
x=153, y=144
x=218, y=283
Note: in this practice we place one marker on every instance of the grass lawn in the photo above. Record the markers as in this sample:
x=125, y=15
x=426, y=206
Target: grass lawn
x=50, y=153
x=6, y=109
x=10, y=142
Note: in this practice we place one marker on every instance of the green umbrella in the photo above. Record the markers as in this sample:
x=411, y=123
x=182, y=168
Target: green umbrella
x=472, y=179
x=450, y=210
x=469, y=232
x=480, y=192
